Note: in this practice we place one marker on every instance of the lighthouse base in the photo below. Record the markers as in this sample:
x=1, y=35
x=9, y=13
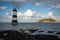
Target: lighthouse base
x=14, y=22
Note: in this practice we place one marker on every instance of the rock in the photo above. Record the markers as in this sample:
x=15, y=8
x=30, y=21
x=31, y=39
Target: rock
x=50, y=31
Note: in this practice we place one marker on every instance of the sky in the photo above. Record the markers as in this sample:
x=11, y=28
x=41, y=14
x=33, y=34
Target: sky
x=29, y=10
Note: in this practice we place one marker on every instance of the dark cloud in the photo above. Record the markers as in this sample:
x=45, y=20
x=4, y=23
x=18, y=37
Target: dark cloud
x=52, y=2
x=12, y=0
x=18, y=3
x=15, y=3
x=34, y=2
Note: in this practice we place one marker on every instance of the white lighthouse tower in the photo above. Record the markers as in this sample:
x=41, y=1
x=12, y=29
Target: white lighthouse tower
x=14, y=19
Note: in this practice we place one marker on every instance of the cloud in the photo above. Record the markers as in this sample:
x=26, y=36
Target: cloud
x=37, y=4
x=15, y=3
x=50, y=14
x=27, y=16
x=28, y=13
x=34, y=2
x=57, y=6
x=3, y=7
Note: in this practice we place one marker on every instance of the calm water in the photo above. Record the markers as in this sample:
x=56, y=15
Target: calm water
x=40, y=26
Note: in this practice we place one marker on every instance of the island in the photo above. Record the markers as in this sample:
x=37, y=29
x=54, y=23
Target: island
x=49, y=20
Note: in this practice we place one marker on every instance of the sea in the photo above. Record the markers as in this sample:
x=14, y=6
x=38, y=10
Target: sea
x=32, y=26
x=42, y=28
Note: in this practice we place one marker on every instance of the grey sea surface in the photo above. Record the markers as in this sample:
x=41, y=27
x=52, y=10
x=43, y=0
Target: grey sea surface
x=38, y=26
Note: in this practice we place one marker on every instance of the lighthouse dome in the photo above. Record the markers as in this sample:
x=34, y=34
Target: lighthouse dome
x=15, y=10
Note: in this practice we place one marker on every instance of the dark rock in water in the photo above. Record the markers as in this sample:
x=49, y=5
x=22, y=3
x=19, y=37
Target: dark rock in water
x=46, y=37
x=32, y=31
x=15, y=35
x=58, y=33
x=11, y=35
x=29, y=37
x=40, y=31
x=50, y=31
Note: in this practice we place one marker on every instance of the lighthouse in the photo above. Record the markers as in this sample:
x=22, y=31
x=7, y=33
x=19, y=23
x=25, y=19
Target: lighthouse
x=14, y=17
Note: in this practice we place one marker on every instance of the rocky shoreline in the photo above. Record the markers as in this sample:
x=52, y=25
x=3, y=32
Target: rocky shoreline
x=16, y=35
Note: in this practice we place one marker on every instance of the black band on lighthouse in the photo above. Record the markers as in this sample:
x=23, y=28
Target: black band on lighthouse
x=14, y=15
x=14, y=21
